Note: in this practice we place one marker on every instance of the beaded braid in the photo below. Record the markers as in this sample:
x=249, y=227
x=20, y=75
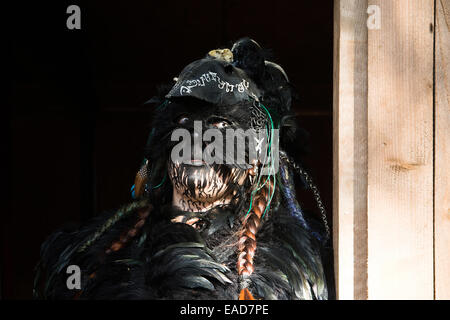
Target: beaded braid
x=130, y=234
x=121, y=213
x=143, y=209
x=247, y=240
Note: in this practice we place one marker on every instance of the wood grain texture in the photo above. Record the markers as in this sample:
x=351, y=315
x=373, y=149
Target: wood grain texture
x=442, y=150
x=350, y=148
x=400, y=152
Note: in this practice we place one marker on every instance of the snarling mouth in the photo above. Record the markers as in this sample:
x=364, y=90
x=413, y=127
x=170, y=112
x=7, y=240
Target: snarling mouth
x=199, y=186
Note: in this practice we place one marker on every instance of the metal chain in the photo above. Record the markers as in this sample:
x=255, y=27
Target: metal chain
x=315, y=191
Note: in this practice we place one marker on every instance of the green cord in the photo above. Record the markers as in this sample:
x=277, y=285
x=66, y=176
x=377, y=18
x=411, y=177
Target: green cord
x=257, y=188
x=159, y=185
x=268, y=176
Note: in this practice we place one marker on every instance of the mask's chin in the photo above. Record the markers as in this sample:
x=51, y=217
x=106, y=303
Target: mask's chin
x=201, y=187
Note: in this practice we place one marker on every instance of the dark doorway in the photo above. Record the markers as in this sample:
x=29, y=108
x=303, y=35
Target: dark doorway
x=77, y=123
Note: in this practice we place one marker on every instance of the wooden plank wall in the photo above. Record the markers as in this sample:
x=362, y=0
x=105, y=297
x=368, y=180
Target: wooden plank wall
x=442, y=150
x=400, y=151
x=391, y=201
x=350, y=148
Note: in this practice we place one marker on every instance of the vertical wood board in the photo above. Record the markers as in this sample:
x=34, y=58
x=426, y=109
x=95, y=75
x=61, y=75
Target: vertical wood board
x=442, y=150
x=400, y=152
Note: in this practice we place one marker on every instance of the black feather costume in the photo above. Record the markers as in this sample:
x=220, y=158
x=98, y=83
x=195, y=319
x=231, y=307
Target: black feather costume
x=257, y=245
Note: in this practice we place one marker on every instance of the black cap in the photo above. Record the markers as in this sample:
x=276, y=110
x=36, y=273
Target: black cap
x=216, y=81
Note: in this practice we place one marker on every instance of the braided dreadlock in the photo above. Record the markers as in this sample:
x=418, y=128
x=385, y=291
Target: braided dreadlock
x=247, y=240
x=119, y=215
x=82, y=243
x=127, y=235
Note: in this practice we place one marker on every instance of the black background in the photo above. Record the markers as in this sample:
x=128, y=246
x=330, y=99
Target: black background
x=75, y=124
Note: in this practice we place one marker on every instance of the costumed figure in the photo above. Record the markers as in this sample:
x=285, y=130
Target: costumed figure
x=202, y=230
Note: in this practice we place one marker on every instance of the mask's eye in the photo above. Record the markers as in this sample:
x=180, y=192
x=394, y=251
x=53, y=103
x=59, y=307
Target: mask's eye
x=222, y=123
x=182, y=119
